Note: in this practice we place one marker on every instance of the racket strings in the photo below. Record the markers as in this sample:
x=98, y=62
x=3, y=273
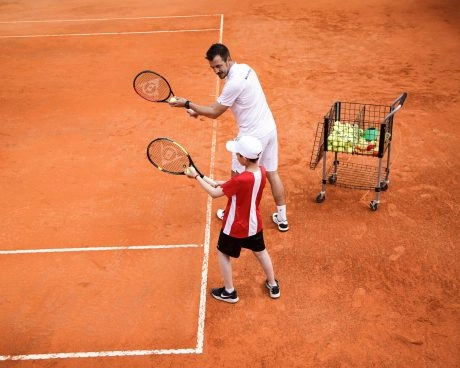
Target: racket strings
x=168, y=156
x=152, y=87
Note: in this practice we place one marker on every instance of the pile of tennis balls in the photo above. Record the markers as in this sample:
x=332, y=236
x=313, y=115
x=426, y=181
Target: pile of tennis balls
x=350, y=138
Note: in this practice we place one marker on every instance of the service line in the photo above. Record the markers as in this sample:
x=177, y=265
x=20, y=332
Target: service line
x=97, y=249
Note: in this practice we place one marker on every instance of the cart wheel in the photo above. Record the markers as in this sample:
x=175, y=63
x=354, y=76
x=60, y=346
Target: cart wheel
x=332, y=179
x=383, y=186
x=320, y=198
x=374, y=205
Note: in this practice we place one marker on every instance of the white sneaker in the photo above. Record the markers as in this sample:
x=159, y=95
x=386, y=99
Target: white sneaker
x=220, y=214
x=282, y=225
x=274, y=291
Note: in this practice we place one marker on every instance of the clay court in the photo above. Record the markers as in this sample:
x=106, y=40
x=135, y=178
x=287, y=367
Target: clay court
x=107, y=262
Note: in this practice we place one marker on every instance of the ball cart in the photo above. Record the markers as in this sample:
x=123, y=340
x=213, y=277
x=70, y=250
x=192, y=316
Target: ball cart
x=358, y=137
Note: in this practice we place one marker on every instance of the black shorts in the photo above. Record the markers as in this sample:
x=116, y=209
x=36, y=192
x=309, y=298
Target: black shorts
x=232, y=246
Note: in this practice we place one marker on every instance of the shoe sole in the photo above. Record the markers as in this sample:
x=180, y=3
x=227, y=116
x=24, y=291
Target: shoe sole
x=283, y=230
x=231, y=301
x=275, y=296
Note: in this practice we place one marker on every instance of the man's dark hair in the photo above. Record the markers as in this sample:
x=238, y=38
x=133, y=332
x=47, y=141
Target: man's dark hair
x=218, y=49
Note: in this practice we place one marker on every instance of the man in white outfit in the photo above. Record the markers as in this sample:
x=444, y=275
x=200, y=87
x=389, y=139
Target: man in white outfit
x=244, y=96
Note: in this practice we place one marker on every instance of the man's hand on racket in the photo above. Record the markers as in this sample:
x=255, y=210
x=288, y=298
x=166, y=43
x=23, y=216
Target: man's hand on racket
x=180, y=102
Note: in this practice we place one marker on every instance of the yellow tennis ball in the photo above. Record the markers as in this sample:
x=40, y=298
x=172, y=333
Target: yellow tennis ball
x=187, y=171
x=173, y=99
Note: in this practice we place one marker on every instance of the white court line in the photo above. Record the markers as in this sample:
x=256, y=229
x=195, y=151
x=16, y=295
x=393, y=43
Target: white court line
x=110, y=19
x=106, y=19
x=97, y=354
x=204, y=272
x=204, y=276
x=112, y=33
x=97, y=249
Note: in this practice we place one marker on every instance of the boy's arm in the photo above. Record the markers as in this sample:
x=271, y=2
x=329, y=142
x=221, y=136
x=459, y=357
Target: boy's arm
x=212, y=187
x=213, y=191
x=211, y=182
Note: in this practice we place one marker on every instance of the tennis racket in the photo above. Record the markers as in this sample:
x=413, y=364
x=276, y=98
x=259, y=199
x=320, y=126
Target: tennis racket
x=152, y=86
x=169, y=156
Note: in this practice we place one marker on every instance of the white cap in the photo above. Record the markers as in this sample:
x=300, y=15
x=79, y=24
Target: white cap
x=246, y=146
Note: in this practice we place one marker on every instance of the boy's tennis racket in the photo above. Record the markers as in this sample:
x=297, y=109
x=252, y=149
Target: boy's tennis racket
x=169, y=156
x=152, y=86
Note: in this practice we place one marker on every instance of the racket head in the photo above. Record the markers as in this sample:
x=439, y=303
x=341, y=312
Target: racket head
x=168, y=156
x=152, y=86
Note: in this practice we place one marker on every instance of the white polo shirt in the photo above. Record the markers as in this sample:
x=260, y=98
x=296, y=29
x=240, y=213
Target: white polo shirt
x=244, y=95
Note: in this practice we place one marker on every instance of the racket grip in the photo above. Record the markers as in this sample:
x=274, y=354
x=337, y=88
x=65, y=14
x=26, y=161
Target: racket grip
x=199, y=172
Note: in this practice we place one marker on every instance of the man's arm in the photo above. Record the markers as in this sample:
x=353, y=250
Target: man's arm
x=213, y=111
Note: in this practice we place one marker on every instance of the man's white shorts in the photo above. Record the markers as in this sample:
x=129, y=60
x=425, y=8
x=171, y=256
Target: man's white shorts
x=269, y=156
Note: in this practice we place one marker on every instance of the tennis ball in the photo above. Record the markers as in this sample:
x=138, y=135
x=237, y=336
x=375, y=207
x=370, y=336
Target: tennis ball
x=173, y=99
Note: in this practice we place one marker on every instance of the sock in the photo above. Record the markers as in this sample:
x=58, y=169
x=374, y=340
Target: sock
x=281, y=213
x=230, y=291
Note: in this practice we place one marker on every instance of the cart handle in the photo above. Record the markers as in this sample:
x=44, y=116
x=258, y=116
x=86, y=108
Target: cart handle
x=394, y=108
x=400, y=100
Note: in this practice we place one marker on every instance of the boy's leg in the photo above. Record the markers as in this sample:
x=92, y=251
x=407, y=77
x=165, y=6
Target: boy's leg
x=226, y=270
x=266, y=263
x=271, y=284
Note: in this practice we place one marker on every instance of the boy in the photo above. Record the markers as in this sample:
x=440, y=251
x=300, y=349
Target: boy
x=242, y=224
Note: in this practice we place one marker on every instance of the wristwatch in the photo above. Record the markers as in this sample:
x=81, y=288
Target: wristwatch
x=187, y=104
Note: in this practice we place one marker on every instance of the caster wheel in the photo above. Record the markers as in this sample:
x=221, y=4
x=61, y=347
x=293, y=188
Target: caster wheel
x=373, y=205
x=320, y=198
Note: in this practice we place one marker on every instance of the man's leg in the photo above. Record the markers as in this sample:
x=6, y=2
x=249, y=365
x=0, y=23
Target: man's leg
x=277, y=188
x=280, y=216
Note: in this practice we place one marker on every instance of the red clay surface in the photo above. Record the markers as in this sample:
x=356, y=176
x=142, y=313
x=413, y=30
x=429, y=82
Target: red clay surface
x=359, y=288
